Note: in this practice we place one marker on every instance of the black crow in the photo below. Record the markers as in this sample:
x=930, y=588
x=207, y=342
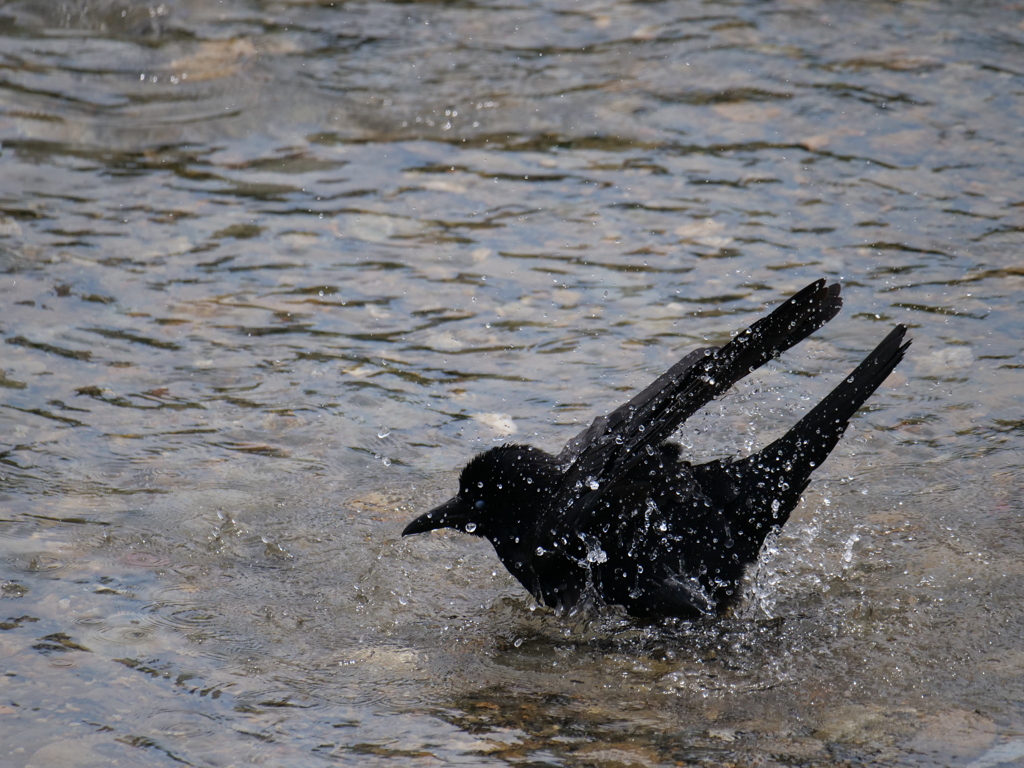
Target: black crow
x=620, y=518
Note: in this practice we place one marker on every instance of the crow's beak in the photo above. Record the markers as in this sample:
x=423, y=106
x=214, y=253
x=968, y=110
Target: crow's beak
x=452, y=514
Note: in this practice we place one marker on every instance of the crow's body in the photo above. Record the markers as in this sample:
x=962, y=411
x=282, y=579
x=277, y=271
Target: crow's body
x=619, y=517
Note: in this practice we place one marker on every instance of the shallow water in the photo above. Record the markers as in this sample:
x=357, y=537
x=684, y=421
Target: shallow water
x=271, y=271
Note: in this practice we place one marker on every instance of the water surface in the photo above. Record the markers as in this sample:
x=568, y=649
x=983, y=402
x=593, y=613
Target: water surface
x=271, y=271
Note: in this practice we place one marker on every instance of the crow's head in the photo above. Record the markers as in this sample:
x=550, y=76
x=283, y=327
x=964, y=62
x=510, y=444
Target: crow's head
x=499, y=490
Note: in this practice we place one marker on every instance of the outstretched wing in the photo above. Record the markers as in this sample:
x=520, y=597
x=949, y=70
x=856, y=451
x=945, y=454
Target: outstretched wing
x=604, y=425
x=614, y=445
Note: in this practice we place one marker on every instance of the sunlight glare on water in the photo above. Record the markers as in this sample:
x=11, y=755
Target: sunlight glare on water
x=271, y=272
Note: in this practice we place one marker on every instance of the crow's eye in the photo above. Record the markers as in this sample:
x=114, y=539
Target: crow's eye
x=480, y=504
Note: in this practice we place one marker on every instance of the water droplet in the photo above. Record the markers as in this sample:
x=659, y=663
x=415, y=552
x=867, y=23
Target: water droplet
x=541, y=551
x=384, y=432
x=848, y=549
x=470, y=527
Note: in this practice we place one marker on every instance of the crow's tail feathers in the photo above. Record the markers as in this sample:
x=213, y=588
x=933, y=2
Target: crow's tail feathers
x=760, y=491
